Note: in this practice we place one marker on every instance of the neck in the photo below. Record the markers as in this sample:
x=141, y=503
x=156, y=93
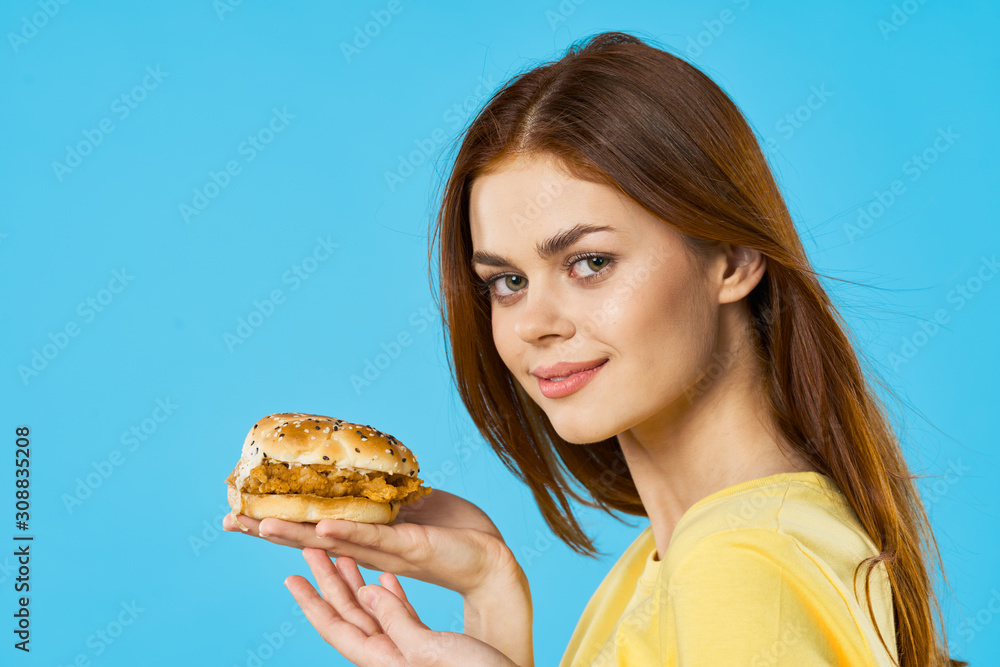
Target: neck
x=719, y=433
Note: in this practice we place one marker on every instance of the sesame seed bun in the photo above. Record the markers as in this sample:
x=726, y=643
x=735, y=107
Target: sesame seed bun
x=307, y=439
x=292, y=439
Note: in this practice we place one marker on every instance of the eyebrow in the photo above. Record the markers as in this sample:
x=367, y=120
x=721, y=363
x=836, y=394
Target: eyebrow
x=545, y=249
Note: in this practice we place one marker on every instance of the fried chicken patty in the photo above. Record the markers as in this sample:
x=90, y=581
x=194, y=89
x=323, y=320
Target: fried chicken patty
x=331, y=482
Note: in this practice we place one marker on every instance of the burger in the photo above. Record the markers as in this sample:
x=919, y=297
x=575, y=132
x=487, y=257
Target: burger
x=305, y=468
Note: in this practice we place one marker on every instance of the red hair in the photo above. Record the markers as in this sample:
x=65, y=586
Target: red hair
x=617, y=111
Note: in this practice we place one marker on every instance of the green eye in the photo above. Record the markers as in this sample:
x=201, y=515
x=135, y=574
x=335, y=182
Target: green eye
x=598, y=263
x=514, y=283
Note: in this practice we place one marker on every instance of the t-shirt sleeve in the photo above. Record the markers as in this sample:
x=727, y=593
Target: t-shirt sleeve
x=754, y=597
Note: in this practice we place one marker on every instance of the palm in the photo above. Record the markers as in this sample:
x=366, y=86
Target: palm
x=385, y=653
x=440, y=508
x=466, y=552
x=441, y=539
x=389, y=633
x=382, y=648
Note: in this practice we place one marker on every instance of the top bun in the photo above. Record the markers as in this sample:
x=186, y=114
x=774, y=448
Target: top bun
x=295, y=437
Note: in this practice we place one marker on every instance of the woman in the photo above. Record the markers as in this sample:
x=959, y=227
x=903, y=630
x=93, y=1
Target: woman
x=630, y=308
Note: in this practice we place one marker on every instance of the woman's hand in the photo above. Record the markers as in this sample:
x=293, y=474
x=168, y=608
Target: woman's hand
x=441, y=539
x=376, y=625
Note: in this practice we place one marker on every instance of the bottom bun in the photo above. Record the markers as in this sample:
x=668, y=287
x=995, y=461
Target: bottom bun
x=310, y=508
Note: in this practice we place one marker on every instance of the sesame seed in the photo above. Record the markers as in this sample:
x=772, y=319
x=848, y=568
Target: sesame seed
x=363, y=439
x=404, y=460
x=334, y=428
x=357, y=450
x=317, y=428
x=281, y=435
x=326, y=458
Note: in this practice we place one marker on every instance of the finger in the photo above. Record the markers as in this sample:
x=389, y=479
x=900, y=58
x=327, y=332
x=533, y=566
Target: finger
x=410, y=512
x=253, y=529
x=370, y=559
x=401, y=624
x=228, y=523
x=418, y=644
x=390, y=582
x=348, y=569
x=378, y=536
x=336, y=591
x=285, y=533
x=292, y=531
x=303, y=534
x=375, y=546
x=429, y=570
x=342, y=635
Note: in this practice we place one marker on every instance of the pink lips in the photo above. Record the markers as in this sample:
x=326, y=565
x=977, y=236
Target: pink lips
x=573, y=381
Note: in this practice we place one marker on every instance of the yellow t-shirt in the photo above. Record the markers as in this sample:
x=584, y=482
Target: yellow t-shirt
x=756, y=574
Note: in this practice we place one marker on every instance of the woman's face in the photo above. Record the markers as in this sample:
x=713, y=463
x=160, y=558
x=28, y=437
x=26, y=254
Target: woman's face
x=627, y=296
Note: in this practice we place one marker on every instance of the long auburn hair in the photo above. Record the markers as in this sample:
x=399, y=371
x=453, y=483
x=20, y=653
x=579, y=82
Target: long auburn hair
x=618, y=111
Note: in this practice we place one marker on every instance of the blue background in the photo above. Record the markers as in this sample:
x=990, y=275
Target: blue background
x=147, y=533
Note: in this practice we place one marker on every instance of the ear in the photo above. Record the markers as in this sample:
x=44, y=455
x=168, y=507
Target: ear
x=742, y=268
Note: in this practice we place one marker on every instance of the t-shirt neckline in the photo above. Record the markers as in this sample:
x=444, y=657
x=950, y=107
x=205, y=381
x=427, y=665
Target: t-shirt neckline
x=813, y=476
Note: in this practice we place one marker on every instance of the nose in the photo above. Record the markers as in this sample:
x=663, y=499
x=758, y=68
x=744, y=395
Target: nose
x=543, y=315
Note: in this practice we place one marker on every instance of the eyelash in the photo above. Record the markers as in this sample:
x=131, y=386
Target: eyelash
x=486, y=284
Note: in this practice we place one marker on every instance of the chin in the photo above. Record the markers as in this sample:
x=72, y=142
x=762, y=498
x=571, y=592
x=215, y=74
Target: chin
x=579, y=431
x=574, y=425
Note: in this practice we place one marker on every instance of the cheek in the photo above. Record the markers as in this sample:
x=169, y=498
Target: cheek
x=503, y=339
x=636, y=303
x=664, y=330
